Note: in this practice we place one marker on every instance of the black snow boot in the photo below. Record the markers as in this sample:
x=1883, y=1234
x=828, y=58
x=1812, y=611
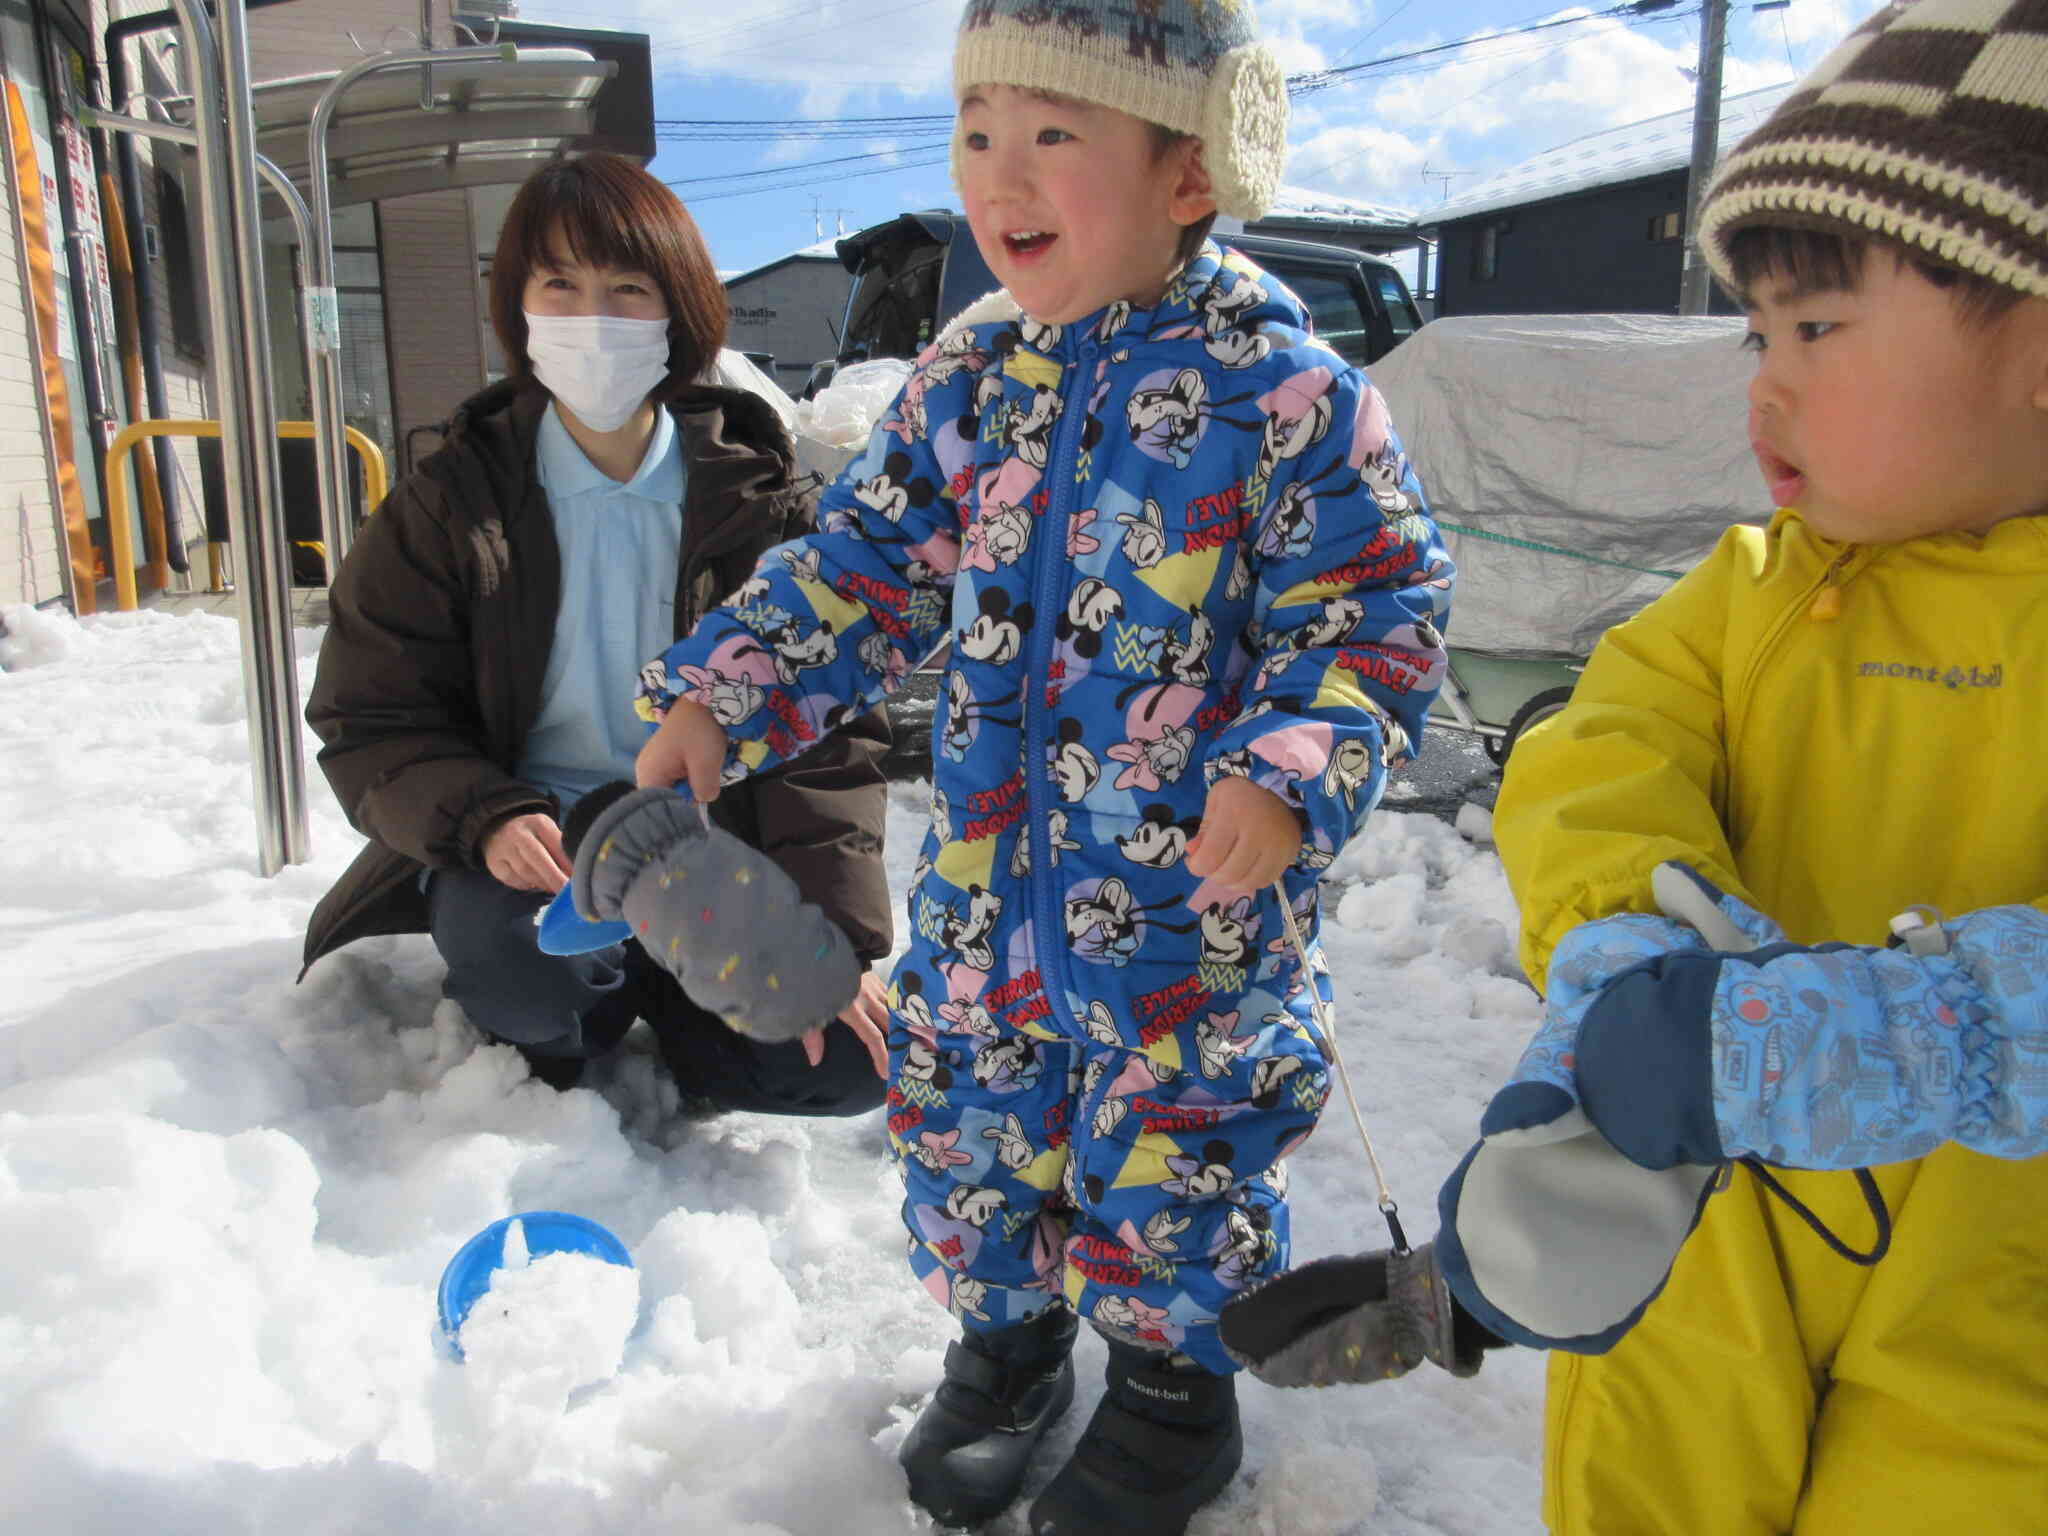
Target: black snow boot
x=966, y=1453
x=1164, y=1442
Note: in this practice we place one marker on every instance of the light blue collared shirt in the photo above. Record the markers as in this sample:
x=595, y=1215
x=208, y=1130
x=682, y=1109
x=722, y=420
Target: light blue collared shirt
x=620, y=546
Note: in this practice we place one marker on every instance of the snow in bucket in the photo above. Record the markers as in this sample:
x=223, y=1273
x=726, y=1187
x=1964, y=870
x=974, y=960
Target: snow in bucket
x=543, y=1288
x=536, y=1311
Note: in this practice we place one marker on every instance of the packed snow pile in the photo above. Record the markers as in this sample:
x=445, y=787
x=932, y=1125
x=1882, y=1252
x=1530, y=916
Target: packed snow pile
x=226, y=1197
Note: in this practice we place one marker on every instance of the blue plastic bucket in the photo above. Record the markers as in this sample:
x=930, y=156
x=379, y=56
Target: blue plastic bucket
x=565, y=931
x=468, y=1274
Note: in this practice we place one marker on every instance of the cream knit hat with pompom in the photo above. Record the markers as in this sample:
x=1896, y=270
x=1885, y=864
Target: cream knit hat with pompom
x=1195, y=66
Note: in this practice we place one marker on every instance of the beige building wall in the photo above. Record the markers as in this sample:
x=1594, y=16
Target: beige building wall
x=430, y=306
x=310, y=36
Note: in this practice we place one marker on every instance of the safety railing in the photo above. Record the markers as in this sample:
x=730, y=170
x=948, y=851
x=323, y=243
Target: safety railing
x=376, y=481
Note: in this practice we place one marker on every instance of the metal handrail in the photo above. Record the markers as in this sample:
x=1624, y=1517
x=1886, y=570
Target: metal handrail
x=376, y=483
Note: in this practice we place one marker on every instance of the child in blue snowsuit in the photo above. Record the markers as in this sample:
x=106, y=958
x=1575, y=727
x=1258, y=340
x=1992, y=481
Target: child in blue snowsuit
x=1195, y=602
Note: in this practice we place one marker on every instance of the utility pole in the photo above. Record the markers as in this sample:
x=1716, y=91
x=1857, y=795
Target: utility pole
x=1695, y=282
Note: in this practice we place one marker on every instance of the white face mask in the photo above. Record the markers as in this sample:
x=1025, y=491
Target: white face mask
x=600, y=366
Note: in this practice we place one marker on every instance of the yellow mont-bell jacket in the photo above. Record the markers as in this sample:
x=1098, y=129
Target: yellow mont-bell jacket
x=1835, y=733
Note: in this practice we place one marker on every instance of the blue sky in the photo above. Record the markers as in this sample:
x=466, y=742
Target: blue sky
x=1404, y=134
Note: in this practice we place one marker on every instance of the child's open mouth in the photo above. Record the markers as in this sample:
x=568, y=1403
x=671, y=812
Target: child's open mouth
x=1783, y=479
x=1028, y=242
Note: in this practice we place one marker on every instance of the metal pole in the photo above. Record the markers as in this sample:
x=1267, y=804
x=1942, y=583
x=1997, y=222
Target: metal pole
x=1696, y=282
x=323, y=304
x=232, y=242
x=128, y=174
x=426, y=46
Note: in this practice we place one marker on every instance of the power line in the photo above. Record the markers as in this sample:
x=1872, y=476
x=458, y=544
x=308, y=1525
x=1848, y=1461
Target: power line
x=1301, y=85
x=673, y=130
x=880, y=170
x=807, y=165
x=1385, y=22
x=695, y=43
x=735, y=128
x=1544, y=53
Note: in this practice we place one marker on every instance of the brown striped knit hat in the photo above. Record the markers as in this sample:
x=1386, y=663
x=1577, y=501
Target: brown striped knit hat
x=1927, y=127
x=1195, y=66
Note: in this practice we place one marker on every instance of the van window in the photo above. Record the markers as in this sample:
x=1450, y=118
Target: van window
x=1394, y=300
x=889, y=313
x=1333, y=312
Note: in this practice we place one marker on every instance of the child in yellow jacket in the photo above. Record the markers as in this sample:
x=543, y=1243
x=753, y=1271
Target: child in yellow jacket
x=1771, y=1181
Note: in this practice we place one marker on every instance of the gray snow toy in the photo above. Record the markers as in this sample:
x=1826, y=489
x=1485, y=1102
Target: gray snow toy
x=717, y=914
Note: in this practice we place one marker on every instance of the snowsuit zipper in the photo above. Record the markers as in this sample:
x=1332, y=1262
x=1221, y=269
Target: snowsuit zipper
x=1803, y=606
x=1052, y=566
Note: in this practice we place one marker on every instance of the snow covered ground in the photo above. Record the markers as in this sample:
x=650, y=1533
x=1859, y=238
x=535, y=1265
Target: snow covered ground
x=226, y=1199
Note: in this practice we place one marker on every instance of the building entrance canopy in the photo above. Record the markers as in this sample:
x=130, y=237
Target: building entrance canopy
x=475, y=120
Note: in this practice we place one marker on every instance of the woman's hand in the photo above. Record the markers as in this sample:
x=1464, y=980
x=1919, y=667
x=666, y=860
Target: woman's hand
x=867, y=1016
x=1248, y=836
x=525, y=852
x=688, y=744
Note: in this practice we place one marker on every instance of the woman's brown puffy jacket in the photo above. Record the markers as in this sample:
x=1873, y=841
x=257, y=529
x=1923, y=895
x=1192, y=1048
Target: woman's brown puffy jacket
x=430, y=673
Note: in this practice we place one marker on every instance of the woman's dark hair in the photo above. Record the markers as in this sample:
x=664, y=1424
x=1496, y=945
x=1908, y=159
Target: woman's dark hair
x=604, y=210
x=1823, y=261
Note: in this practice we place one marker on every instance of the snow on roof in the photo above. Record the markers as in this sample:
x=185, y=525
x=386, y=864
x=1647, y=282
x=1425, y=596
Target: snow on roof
x=826, y=249
x=1304, y=205
x=1627, y=153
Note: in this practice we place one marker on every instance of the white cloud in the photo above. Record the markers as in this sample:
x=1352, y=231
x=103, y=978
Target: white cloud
x=1547, y=87
x=1506, y=99
x=838, y=50
x=1347, y=17
x=1363, y=160
x=1474, y=110
x=1818, y=22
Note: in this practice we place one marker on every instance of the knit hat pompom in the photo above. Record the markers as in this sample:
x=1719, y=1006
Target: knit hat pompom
x=1926, y=127
x=1244, y=130
x=1194, y=66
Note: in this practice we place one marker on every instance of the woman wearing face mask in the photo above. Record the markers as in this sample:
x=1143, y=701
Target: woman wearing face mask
x=487, y=628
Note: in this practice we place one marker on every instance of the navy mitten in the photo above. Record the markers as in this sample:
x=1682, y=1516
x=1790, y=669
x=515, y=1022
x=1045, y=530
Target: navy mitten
x=1359, y=1318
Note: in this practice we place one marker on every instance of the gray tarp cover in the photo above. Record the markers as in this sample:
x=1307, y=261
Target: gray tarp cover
x=1620, y=437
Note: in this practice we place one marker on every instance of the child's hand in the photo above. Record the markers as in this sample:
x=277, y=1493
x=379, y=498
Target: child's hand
x=1248, y=836
x=689, y=744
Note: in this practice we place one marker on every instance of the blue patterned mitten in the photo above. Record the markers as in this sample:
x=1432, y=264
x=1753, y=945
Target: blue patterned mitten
x=1671, y=1047
x=1831, y=1056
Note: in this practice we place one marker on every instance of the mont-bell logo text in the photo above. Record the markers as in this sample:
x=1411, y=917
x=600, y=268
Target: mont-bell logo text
x=1992, y=676
x=1164, y=1394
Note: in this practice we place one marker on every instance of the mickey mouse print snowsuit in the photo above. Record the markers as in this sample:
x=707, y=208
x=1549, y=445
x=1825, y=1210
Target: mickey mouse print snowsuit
x=1168, y=544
